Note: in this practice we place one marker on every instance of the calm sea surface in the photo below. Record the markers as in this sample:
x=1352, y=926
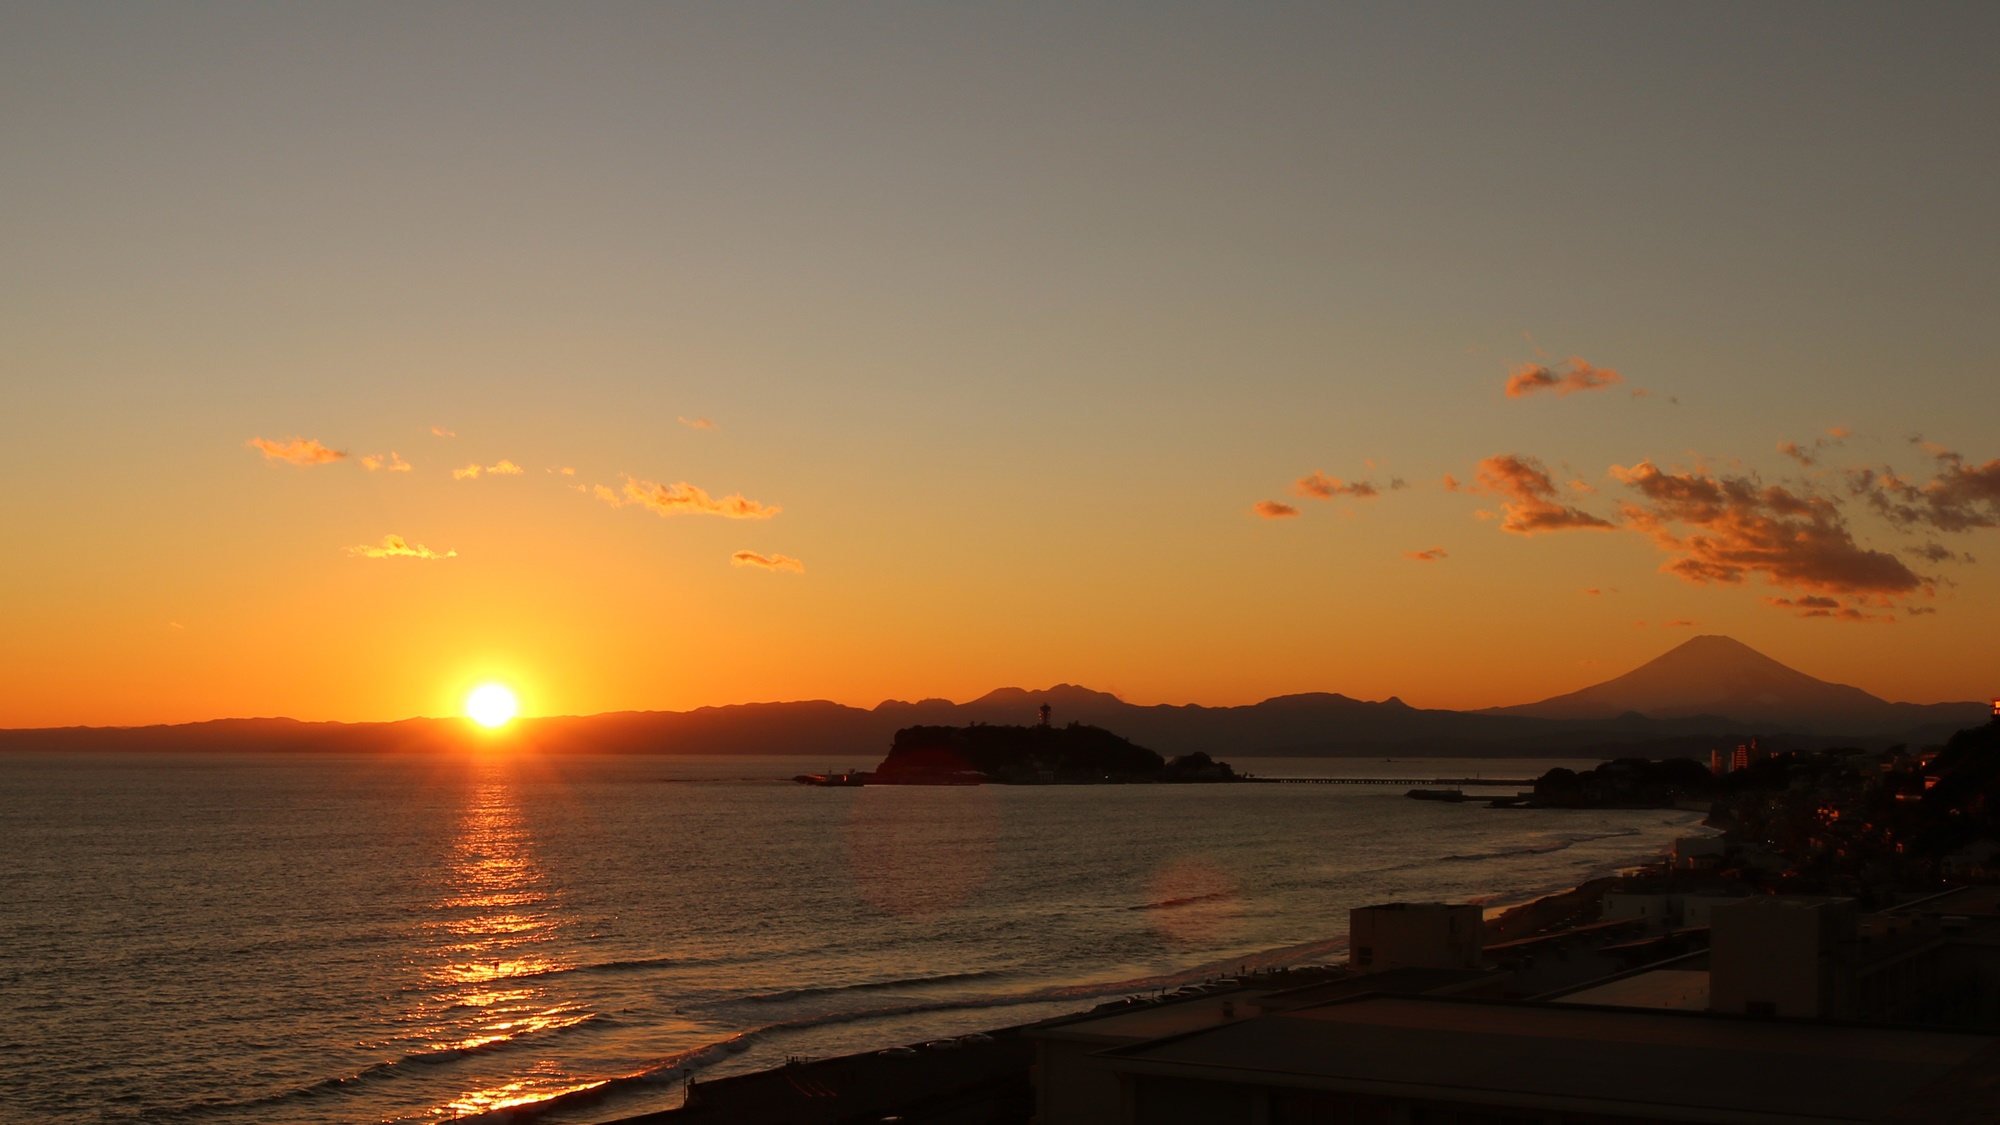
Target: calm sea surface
x=284, y=939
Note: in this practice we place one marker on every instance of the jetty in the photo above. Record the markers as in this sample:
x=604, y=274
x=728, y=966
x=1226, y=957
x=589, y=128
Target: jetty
x=1417, y=782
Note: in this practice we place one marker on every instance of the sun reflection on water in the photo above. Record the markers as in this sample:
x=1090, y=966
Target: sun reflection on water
x=493, y=930
x=509, y=1095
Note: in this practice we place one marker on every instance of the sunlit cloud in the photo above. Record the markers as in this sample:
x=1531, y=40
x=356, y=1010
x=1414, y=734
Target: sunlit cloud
x=1274, y=510
x=565, y=470
x=296, y=451
x=1733, y=527
x=393, y=463
x=1532, y=503
x=505, y=469
x=1566, y=378
x=470, y=472
x=1593, y=591
x=1431, y=555
x=767, y=562
x=696, y=423
x=1319, y=486
x=1679, y=623
x=440, y=431
x=685, y=499
x=397, y=547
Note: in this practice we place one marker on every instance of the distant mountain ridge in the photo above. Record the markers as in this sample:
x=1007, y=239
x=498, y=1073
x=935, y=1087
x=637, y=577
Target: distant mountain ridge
x=1706, y=692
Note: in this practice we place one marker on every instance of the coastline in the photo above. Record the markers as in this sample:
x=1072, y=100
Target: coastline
x=990, y=1067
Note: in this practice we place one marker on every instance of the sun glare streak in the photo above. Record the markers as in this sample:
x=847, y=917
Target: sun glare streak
x=491, y=705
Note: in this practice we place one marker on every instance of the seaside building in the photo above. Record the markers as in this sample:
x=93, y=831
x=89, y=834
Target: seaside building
x=1668, y=909
x=1076, y=1086
x=1771, y=1009
x=1773, y=955
x=1414, y=935
x=1399, y=1059
x=1747, y=754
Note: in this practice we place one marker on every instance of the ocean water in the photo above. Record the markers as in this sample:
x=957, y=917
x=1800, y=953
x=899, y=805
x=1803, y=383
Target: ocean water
x=279, y=939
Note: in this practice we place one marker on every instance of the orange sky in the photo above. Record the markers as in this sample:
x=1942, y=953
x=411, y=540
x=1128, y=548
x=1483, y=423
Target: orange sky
x=1198, y=360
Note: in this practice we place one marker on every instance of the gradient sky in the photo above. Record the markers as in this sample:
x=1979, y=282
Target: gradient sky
x=1000, y=320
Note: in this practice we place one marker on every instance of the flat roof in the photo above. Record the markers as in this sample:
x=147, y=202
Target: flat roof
x=1684, y=990
x=1508, y=1053
x=1964, y=900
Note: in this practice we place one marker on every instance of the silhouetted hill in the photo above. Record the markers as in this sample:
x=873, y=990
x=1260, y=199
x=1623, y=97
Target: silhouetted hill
x=1078, y=752
x=1721, y=676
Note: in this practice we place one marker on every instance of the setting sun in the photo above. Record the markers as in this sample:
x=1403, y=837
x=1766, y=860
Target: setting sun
x=491, y=705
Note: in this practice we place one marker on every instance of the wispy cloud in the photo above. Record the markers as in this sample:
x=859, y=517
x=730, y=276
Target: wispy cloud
x=685, y=499
x=1533, y=503
x=505, y=469
x=1958, y=497
x=1274, y=510
x=470, y=472
x=1431, y=555
x=1809, y=455
x=296, y=451
x=1937, y=553
x=393, y=463
x=440, y=431
x=696, y=423
x=767, y=562
x=1319, y=486
x=565, y=470
x=1733, y=527
x=1814, y=605
x=397, y=547
x=1566, y=378
x=1679, y=623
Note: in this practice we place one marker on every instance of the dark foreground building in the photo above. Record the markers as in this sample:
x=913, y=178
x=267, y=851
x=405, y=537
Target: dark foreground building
x=1400, y=1060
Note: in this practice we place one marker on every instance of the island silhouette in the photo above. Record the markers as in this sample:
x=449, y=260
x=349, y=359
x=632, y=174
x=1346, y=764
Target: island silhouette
x=1042, y=754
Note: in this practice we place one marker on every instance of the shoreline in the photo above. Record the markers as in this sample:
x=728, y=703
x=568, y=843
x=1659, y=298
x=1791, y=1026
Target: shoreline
x=991, y=1066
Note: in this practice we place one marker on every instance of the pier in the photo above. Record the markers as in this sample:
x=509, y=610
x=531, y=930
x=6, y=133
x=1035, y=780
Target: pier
x=1418, y=782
